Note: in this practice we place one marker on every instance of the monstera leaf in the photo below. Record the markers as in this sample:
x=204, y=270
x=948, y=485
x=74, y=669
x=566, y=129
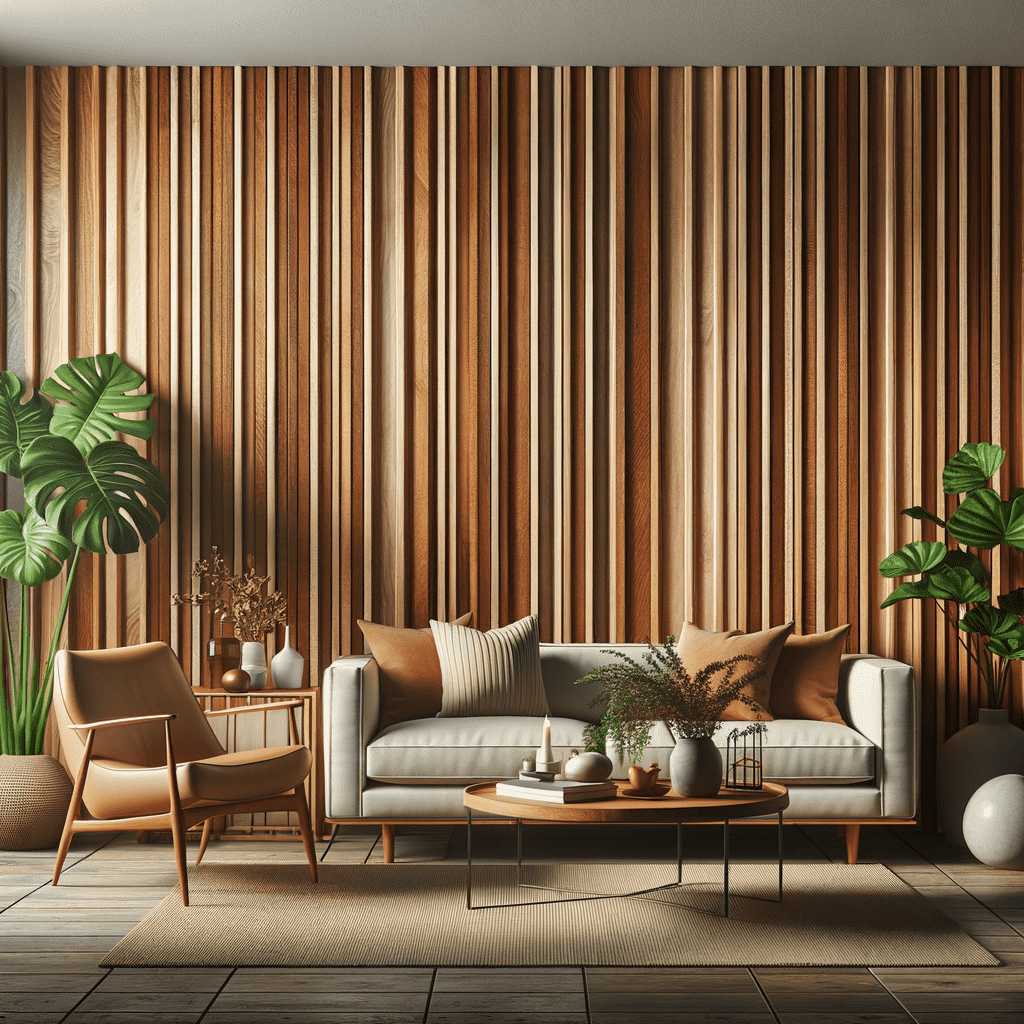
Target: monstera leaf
x=94, y=389
x=972, y=467
x=31, y=551
x=1013, y=601
x=958, y=558
x=20, y=422
x=984, y=520
x=125, y=499
x=1009, y=647
x=918, y=556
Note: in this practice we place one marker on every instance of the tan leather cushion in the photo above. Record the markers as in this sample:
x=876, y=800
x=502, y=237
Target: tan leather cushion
x=698, y=648
x=493, y=673
x=114, y=789
x=410, y=674
x=806, y=678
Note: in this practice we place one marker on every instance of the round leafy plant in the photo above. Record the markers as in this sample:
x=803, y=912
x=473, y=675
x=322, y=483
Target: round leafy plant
x=660, y=689
x=956, y=577
x=84, y=489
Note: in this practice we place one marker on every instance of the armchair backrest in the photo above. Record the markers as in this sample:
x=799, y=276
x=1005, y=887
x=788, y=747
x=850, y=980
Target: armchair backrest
x=95, y=686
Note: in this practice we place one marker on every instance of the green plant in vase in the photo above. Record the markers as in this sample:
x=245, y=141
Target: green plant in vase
x=637, y=694
x=953, y=573
x=956, y=577
x=84, y=490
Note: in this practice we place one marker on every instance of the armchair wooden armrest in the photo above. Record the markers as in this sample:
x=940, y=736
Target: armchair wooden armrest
x=110, y=722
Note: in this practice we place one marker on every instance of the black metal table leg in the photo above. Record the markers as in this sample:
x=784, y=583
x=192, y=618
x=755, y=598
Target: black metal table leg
x=469, y=858
x=780, y=856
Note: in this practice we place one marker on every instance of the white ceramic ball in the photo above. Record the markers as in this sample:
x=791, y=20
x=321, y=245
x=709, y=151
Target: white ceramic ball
x=994, y=823
x=590, y=766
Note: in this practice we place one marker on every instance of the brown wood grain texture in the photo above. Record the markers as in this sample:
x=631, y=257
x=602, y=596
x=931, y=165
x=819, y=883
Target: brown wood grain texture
x=616, y=346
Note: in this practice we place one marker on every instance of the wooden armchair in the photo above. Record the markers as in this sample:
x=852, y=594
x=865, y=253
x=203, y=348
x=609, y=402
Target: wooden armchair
x=143, y=754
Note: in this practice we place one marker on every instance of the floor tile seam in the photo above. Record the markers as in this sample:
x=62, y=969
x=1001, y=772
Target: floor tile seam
x=903, y=1006
x=586, y=994
x=85, y=995
x=430, y=995
x=216, y=995
x=764, y=995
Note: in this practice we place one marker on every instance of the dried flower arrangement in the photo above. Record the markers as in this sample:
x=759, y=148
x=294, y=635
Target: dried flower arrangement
x=238, y=600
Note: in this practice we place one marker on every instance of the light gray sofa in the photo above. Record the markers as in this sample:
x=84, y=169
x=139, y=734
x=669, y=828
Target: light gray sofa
x=865, y=772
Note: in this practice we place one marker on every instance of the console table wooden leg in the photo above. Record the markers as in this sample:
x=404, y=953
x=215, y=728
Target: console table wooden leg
x=387, y=835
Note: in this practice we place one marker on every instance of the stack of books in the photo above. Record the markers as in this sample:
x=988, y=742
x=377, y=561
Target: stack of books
x=558, y=791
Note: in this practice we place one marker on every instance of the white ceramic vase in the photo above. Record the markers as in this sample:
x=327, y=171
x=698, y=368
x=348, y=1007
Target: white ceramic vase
x=994, y=823
x=968, y=759
x=254, y=661
x=695, y=767
x=287, y=665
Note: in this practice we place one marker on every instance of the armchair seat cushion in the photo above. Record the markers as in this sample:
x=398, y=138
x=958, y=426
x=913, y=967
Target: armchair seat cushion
x=115, y=789
x=433, y=751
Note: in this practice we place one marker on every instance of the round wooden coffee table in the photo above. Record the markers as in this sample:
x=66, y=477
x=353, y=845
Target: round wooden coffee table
x=727, y=804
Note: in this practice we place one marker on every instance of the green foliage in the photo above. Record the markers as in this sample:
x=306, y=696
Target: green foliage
x=83, y=489
x=636, y=695
x=958, y=578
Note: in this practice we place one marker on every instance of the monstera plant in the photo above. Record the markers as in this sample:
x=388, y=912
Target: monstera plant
x=957, y=577
x=83, y=489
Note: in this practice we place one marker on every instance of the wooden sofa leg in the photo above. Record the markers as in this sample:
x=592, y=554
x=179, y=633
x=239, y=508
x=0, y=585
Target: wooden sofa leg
x=852, y=842
x=387, y=835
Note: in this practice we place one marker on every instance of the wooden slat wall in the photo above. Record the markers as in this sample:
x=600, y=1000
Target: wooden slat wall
x=620, y=347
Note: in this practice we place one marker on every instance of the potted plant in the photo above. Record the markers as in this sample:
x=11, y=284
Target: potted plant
x=637, y=695
x=83, y=490
x=991, y=632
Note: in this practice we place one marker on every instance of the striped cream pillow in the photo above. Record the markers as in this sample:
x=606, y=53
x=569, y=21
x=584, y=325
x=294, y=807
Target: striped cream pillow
x=493, y=673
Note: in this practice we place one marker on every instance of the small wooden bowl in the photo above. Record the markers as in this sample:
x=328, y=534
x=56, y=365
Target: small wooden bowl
x=235, y=680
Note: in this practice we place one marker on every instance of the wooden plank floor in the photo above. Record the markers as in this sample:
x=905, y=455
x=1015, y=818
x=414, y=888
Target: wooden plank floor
x=52, y=938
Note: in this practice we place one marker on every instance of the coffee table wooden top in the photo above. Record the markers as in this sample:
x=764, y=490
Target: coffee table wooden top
x=728, y=803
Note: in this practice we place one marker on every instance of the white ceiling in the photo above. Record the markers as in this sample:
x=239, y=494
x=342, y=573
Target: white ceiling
x=511, y=32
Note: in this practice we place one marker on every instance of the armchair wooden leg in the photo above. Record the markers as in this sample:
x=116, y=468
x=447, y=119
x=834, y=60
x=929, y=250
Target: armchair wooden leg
x=387, y=835
x=73, y=808
x=207, y=829
x=177, y=824
x=852, y=843
x=306, y=829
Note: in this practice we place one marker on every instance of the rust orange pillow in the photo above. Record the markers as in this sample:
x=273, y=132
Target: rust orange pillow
x=410, y=672
x=700, y=647
x=806, y=678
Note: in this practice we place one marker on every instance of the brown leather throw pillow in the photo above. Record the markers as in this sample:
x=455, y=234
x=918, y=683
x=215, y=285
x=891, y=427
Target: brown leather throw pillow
x=700, y=647
x=806, y=678
x=410, y=672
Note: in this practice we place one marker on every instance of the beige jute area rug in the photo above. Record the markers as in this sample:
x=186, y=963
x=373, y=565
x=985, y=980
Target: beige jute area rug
x=415, y=915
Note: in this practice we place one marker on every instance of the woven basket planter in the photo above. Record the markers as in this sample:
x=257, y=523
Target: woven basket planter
x=35, y=793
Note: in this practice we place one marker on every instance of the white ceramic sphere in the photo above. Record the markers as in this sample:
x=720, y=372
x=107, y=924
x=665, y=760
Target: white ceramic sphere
x=590, y=766
x=994, y=823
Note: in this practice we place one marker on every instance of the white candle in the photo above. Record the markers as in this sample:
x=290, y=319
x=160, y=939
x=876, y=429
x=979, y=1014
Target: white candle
x=545, y=747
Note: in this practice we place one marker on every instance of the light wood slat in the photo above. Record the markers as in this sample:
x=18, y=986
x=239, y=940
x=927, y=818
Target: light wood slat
x=4, y=331
x=67, y=216
x=174, y=242
x=688, y=497
x=341, y=368
x=655, y=386
x=368, y=374
x=32, y=263
x=889, y=353
x=867, y=588
x=994, y=425
x=272, y=322
x=741, y=613
x=718, y=378
x=196, y=421
x=398, y=613
x=495, y=356
x=316, y=462
x=919, y=444
x=442, y=343
x=941, y=338
x=453, y=321
x=963, y=433
x=535, y=341
x=558, y=251
x=789, y=455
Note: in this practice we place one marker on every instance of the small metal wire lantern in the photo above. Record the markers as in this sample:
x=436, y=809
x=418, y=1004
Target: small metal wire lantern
x=743, y=757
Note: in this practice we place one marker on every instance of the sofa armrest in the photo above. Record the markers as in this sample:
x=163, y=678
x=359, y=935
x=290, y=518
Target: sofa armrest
x=878, y=697
x=351, y=711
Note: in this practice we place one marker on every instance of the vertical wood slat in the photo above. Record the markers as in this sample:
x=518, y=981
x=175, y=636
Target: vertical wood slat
x=829, y=501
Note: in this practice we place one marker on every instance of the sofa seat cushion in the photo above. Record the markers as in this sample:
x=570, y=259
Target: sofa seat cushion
x=432, y=751
x=796, y=752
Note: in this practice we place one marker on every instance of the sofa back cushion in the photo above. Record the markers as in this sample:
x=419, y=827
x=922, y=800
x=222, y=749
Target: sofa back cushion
x=563, y=664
